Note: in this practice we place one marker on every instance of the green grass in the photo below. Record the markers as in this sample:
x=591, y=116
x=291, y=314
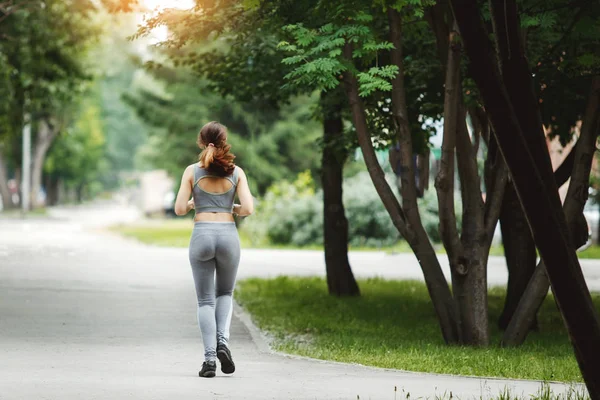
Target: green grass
x=171, y=233
x=176, y=233
x=591, y=252
x=18, y=213
x=393, y=325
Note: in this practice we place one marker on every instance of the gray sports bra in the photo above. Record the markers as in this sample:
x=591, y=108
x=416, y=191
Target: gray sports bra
x=213, y=202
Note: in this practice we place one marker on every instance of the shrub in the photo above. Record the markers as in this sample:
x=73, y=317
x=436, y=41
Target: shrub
x=291, y=213
x=368, y=221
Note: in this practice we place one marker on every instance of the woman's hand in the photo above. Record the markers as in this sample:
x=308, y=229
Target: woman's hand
x=236, y=209
x=190, y=205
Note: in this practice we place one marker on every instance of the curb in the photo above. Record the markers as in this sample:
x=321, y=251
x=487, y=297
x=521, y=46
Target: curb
x=258, y=337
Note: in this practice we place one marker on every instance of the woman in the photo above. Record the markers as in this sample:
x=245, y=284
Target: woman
x=215, y=245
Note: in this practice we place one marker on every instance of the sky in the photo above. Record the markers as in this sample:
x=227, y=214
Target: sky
x=154, y=6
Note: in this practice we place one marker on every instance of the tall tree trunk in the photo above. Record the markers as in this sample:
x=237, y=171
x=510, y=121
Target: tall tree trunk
x=519, y=252
x=518, y=242
x=530, y=168
x=467, y=255
x=4, y=190
x=444, y=185
x=52, y=189
x=79, y=192
x=575, y=200
x=45, y=135
x=479, y=220
x=414, y=234
x=340, y=280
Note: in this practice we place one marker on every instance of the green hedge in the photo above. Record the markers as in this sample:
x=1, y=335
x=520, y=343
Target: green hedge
x=291, y=213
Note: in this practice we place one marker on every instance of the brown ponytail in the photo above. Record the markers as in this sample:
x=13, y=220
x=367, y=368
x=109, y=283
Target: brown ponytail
x=215, y=157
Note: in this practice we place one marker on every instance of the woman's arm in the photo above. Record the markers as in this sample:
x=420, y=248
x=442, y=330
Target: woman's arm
x=246, y=206
x=182, y=202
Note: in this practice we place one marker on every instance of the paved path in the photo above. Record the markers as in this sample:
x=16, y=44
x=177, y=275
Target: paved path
x=85, y=315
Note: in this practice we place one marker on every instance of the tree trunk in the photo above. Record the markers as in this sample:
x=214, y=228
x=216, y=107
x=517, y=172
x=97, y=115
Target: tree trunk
x=539, y=284
x=45, y=135
x=79, y=192
x=530, y=168
x=472, y=285
x=519, y=252
x=466, y=254
x=51, y=190
x=4, y=190
x=415, y=234
x=340, y=280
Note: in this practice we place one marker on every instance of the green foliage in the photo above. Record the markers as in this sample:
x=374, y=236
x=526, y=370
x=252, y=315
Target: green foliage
x=289, y=213
x=430, y=216
x=319, y=60
x=292, y=214
x=123, y=129
x=45, y=70
x=77, y=156
x=376, y=79
x=269, y=146
x=316, y=53
x=563, y=41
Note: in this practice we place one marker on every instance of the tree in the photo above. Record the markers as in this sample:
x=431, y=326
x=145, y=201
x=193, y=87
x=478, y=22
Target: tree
x=45, y=52
x=118, y=65
x=77, y=157
x=319, y=56
x=507, y=92
x=351, y=49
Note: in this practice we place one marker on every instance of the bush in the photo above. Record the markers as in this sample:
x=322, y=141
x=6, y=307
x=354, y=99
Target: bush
x=368, y=221
x=430, y=215
x=292, y=214
x=287, y=214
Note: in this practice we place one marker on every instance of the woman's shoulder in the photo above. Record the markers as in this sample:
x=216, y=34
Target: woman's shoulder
x=239, y=171
x=191, y=167
x=190, y=170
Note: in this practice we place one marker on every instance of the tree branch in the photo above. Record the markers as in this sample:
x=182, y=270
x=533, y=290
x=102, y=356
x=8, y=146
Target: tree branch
x=366, y=145
x=400, y=117
x=444, y=182
x=563, y=172
x=493, y=202
x=435, y=17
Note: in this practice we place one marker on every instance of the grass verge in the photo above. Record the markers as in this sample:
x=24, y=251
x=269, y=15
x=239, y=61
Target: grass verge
x=392, y=325
x=14, y=213
x=176, y=233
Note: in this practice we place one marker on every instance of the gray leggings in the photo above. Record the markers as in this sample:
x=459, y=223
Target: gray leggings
x=214, y=246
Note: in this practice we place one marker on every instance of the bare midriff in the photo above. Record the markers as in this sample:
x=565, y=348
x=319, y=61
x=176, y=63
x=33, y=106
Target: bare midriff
x=213, y=217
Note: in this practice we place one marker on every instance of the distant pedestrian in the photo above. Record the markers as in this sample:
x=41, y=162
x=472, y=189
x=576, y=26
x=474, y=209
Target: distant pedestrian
x=214, y=246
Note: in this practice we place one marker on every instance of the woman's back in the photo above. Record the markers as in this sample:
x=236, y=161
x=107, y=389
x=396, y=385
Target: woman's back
x=213, y=193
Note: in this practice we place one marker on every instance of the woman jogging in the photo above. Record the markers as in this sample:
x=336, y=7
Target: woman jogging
x=214, y=246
